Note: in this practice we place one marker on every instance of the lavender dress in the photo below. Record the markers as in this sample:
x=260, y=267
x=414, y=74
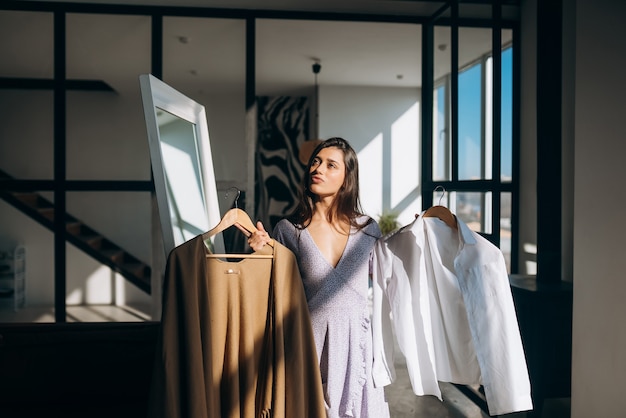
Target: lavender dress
x=338, y=304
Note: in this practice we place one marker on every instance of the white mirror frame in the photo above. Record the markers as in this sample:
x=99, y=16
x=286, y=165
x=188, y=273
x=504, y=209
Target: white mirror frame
x=158, y=95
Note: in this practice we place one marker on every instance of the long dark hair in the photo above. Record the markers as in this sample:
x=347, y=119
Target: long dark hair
x=346, y=206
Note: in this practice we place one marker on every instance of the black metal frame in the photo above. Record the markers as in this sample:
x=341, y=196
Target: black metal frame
x=495, y=185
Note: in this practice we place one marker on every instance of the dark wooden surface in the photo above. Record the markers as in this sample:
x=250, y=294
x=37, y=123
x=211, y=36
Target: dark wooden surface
x=544, y=313
x=76, y=369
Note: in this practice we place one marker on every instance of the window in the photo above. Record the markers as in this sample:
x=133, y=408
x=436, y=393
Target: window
x=466, y=164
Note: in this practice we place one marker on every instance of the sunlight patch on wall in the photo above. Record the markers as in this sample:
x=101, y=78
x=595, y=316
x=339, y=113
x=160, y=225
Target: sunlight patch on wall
x=371, y=176
x=75, y=297
x=531, y=265
x=120, y=290
x=405, y=156
x=97, y=289
x=405, y=165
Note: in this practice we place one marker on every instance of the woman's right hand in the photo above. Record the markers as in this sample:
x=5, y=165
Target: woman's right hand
x=259, y=238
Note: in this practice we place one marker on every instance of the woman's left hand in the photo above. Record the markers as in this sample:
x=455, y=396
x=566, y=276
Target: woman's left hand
x=258, y=238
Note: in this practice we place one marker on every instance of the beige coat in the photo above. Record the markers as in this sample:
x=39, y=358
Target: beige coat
x=236, y=339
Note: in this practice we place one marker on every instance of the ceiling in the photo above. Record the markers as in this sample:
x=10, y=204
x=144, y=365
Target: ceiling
x=210, y=52
x=418, y=8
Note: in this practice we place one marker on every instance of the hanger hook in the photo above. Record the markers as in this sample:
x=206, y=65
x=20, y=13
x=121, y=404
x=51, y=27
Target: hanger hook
x=238, y=194
x=443, y=192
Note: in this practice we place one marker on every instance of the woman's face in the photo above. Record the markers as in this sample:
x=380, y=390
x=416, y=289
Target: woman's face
x=327, y=172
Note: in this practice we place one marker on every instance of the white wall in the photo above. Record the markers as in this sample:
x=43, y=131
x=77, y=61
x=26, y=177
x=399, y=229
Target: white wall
x=599, y=332
x=382, y=125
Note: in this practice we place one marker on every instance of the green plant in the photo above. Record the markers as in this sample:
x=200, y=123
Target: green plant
x=388, y=222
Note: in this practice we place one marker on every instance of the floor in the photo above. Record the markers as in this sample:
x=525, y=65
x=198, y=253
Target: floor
x=83, y=313
x=403, y=403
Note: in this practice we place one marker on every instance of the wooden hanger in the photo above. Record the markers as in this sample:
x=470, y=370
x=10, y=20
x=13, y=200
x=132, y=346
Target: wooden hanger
x=441, y=212
x=230, y=218
x=240, y=218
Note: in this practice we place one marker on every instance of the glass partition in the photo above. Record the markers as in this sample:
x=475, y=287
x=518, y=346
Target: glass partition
x=105, y=129
x=27, y=45
x=27, y=115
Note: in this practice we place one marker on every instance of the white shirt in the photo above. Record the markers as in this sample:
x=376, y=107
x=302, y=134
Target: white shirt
x=446, y=296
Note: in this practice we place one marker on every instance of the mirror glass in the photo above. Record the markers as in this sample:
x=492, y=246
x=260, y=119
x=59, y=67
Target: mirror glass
x=182, y=164
x=183, y=179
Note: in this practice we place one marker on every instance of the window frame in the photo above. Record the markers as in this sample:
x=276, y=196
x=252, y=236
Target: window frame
x=495, y=186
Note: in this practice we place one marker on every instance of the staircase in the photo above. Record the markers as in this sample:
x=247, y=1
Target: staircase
x=83, y=237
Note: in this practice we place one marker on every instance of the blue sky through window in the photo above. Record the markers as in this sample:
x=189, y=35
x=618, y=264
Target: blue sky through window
x=471, y=119
x=470, y=123
x=507, y=114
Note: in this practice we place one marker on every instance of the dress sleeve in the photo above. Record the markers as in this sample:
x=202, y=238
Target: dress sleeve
x=279, y=231
x=287, y=234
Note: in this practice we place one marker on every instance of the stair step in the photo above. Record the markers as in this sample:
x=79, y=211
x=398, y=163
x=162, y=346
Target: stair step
x=87, y=235
x=94, y=241
x=114, y=254
x=74, y=227
x=138, y=269
x=47, y=213
x=31, y=199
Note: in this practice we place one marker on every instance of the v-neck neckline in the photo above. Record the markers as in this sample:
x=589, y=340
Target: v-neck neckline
x=319, y=252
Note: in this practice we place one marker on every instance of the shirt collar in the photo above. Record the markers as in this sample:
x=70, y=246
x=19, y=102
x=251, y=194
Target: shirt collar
x=465, y=233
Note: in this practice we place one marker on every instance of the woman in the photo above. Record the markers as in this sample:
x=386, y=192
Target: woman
x=332, y=241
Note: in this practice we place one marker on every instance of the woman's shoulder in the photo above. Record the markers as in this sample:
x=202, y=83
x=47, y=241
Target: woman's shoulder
x=369, y=225
x=284, y=225
x=285, y=232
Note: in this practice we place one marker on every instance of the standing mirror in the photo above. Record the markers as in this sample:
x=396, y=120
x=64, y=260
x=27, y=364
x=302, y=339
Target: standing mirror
x=182, y=164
